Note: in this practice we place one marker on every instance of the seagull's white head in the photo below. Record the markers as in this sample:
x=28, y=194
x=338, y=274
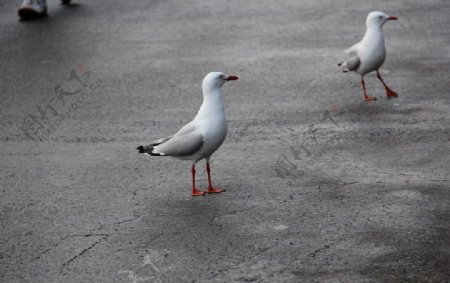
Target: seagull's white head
x=378, y=19
x=215, y=80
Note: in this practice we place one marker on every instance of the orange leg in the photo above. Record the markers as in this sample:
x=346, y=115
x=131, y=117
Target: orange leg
x=195, y=192
x=211, y=189
x=389, y=92
x=367, y=97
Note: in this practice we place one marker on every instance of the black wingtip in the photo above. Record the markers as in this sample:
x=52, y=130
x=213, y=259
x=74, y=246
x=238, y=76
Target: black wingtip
x=155, y=154
x=147, y=149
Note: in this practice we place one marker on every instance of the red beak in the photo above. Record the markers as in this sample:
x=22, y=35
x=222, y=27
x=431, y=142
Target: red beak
x=391, y=18
x=232, y=78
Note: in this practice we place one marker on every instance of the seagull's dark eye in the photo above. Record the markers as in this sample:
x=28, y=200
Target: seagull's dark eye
x=380, y=17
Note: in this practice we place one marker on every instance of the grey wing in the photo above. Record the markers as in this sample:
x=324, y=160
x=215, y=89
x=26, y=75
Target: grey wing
x=189, y=127
x=160, y=141
x=173, y=145
x=353, y=51
x=181, y=145
x=352, y=63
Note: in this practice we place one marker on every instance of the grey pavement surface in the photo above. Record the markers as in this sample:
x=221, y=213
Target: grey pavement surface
x=321, y=186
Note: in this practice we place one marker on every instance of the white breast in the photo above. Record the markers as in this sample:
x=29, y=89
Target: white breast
x=372, y=51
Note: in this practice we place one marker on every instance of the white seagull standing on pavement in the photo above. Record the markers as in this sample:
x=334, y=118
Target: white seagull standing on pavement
x=368, y=55
x=201, y=137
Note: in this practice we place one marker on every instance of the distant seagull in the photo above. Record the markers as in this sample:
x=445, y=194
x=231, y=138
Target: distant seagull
x=201, y=137
x=368, y=55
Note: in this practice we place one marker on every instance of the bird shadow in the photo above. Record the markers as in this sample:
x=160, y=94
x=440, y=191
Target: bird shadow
x=380, y=107
x=35, y=18
x=410, y=247
x=52, y=14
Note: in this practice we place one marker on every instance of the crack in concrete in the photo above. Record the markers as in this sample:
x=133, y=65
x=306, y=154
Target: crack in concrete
x=84, y=251
x=126, y=220
x=265, y=249
x=313, y=254
x=65, y=238
x=411, y=175
x=349, y=183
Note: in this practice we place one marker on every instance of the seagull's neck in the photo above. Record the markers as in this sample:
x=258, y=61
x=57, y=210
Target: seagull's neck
x=212, y=105
x=374, y=33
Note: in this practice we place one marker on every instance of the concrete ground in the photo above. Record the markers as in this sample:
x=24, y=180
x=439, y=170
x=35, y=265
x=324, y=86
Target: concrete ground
x=321, y=186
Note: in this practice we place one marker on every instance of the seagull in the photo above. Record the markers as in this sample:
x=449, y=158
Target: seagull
x=368, y=55
x=201, y=137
